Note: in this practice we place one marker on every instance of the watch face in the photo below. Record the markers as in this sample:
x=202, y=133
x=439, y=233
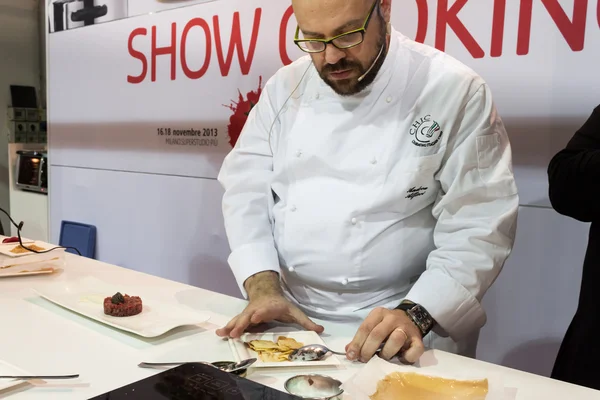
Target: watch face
x=419, y=313
x=421, y=318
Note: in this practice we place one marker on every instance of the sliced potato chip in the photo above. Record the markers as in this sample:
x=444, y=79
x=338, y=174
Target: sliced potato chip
x=269, y=351
x=262, y=345
x=272, y=357
x=290, y=343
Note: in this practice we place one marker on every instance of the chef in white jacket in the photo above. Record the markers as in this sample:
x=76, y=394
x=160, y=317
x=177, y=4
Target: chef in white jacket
x=372, y=184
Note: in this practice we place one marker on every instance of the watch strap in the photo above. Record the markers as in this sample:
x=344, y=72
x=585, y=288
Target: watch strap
x=405, y=306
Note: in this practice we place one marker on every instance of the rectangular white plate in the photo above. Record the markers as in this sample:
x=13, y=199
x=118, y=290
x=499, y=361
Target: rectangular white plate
x=24, y=270
x=5, y=249
x=242, y=352
x=7, y=369
x=86, y=297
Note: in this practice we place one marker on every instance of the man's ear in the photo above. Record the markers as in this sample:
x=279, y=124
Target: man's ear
x=386, y=9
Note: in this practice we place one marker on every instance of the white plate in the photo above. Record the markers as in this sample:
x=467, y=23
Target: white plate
x=5, y=249
x=36, y=268
x=23, y=270
x=242, y=352
x=86, y=297
x=7, y=369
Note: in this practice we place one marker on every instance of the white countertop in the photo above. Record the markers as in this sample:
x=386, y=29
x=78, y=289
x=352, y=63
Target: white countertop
x=43, y=338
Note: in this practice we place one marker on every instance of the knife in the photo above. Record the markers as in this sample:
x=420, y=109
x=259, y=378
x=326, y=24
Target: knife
x=39, y=376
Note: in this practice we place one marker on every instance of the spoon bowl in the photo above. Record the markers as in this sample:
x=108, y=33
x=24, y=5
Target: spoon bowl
x=312, y=352
x=239, y=369
x=222, y=365
x=233, y=367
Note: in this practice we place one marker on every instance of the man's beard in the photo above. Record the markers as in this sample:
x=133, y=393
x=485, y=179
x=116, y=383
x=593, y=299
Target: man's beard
x=352, y=86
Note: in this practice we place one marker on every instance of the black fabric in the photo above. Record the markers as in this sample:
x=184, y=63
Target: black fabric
x=574, y=178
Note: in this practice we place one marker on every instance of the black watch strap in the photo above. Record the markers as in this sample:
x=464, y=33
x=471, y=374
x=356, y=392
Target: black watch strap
x=405, y=306
x=419, y=315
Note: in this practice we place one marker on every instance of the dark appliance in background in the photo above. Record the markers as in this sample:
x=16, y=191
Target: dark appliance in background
x=71, y=14
x=23, y=96
x=32, y=171
x=26, y=122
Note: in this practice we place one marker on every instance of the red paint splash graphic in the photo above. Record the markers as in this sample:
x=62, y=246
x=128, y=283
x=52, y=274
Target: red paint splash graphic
x=241, y=110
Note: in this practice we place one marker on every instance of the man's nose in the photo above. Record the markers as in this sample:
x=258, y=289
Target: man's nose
x=333, y=54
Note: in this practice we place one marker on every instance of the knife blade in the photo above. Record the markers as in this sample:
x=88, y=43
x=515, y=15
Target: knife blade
x=39, y=376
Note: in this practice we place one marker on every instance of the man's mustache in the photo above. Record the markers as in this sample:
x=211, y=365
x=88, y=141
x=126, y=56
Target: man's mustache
x=341, y=65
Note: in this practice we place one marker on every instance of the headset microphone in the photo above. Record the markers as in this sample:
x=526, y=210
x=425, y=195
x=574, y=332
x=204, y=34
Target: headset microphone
x=360, y=78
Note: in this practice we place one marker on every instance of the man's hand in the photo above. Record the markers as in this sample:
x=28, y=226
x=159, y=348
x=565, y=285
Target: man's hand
x=266, y=309
x=393, y=327
x=267, y=304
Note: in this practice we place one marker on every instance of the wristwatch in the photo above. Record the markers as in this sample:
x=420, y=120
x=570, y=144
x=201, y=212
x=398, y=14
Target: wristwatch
x=419, y=315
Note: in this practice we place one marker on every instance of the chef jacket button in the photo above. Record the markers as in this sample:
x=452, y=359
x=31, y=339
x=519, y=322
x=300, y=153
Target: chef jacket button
x=374, y=161
x=291, y=269
x=354, y=221
x=299, y=153
x=317, y=96
x=344, y=282
x=293, y=208
x=389, y=99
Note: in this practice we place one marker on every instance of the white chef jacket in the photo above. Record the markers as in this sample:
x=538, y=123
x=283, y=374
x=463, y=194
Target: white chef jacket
x=403, y=191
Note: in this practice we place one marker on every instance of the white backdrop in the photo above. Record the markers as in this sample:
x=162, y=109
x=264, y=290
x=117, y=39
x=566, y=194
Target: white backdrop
x=138, y=156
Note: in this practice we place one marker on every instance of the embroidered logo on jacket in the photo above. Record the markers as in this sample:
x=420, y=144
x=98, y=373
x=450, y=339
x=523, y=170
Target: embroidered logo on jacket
x=416, y=192
x=426, y=132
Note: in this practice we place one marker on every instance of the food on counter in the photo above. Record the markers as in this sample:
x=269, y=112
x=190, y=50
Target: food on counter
x=420, y=387
x=20, y=249
x=269, y=351
x=122, y=305
x=26, y=271
x=13, y=239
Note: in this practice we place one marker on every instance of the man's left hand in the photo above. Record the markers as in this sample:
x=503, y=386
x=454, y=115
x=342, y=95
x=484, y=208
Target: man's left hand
x=395, y=328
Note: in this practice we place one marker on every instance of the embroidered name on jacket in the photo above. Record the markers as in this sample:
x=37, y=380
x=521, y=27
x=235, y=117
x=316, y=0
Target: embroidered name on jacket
x=416, y=192
x=426, y=132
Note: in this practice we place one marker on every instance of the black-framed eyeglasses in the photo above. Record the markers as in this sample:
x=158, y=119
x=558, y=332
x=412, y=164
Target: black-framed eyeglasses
x=343, y=41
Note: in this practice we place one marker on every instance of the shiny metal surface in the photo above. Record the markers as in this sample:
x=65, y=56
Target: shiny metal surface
x=315, y=387
x=312, y=352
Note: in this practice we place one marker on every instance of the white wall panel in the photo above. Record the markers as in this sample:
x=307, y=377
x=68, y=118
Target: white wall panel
x=162, y=225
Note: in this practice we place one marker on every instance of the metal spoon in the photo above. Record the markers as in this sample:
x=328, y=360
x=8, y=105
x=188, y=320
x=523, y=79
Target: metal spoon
x=312, y=352
x=230, y=368
x=315, y=352
x=238, y=366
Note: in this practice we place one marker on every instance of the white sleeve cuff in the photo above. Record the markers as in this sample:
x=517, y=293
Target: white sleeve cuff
x=251, y=259
x=452, y=306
